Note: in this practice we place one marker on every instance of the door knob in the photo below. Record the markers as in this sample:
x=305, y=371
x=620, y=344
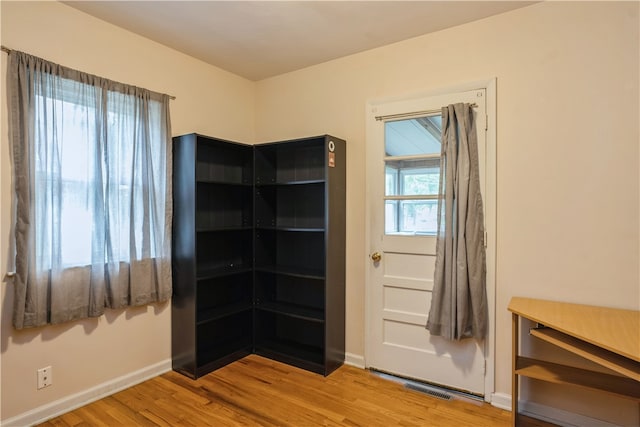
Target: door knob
x=376, y=256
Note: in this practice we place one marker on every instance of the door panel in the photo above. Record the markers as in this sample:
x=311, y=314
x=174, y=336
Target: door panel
x=405, y=300
x=403, y=169
x=408, y=265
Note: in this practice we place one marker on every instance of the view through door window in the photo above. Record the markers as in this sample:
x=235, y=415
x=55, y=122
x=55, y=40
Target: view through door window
x=412, y=173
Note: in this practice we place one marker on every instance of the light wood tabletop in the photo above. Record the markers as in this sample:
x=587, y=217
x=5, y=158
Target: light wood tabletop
x=614, y=329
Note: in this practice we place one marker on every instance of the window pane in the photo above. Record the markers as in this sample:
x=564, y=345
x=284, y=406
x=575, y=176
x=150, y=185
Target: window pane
x=76, y=221
x=391, y=216
x=413, y=136
x=412, y=177
x=418, y=216
x=391, y=181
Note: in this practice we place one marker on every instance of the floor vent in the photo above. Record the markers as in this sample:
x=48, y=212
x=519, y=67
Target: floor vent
x=431, y=389
x=431, y=392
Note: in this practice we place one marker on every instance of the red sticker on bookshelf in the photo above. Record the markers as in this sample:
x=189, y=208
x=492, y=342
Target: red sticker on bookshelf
x=332, y=160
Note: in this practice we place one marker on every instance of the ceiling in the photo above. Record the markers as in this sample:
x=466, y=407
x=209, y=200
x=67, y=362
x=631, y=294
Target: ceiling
x=261, y=39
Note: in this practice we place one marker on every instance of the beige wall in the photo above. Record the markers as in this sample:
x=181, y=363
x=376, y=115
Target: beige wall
x=567, y=156
x=209, y=101
x=567, y=152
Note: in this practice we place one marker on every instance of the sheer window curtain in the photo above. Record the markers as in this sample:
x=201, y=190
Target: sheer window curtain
x=459, y=300
x=92, y=176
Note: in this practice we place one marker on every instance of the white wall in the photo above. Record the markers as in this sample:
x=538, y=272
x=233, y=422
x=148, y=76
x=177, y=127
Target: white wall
x=210, y=101
x=567, y=154
x=568, y=164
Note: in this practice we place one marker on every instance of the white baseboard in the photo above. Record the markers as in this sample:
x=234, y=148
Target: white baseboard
x=560, y=417
x=354, y=360
x=69, y=403
x=548, y=413
x=501, y=400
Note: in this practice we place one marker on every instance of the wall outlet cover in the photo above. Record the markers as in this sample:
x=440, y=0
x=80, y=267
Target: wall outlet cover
x=45, y=377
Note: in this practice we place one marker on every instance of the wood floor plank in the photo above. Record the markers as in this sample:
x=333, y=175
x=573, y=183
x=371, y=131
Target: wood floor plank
x=256, y=391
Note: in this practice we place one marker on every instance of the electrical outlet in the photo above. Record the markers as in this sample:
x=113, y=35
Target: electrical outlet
x=45, y=377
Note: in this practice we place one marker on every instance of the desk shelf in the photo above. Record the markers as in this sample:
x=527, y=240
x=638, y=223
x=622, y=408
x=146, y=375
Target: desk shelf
x=562, y=374
x=602, y=357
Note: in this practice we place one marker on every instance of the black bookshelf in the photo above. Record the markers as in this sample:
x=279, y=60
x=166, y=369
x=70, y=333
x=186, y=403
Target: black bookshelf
x=259, y=252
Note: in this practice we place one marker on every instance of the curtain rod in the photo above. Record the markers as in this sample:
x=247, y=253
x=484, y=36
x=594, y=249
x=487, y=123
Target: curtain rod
x=413, y=114
x=7, y=50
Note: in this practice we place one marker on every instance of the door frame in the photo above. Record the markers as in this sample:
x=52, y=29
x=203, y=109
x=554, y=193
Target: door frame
x=489, y=198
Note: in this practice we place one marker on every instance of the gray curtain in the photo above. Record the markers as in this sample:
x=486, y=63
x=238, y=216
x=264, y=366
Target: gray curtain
x=459, y=302
x=92, y=176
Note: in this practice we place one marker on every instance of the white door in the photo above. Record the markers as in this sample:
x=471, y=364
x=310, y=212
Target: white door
x=403, y=171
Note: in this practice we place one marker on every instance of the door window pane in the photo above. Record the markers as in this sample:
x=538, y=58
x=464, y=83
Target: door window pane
x=391, y=225
x=391, y=180
x=411, y=217
x=412, y=177
x=418, y=216
x=413, y=136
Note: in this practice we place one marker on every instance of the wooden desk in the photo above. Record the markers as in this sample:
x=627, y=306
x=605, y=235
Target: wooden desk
x=607, y=336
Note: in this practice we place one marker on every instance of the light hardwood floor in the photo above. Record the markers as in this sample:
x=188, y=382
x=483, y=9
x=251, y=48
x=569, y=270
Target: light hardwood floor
x=259, y=391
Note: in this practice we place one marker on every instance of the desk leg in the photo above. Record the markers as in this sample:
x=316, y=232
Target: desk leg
x=514, y=359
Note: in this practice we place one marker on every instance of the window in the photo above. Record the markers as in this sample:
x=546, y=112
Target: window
x=92, y=175
x=412, y=174
x=77, y=163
